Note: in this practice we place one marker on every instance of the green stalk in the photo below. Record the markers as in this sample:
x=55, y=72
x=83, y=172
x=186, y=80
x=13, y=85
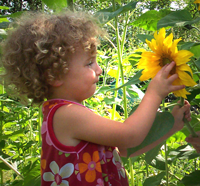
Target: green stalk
x=166, y=165
x=1, y=133
x=131, y=172
x=165, y=146
x=187, y=123
x=120, y=67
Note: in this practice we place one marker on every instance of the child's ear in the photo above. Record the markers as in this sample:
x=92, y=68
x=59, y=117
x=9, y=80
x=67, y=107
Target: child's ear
x=56, y=83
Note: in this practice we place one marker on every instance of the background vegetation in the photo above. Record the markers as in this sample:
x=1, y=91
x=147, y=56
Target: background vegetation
x=128, y=24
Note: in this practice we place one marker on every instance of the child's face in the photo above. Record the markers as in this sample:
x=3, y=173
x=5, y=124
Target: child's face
x=80, y=81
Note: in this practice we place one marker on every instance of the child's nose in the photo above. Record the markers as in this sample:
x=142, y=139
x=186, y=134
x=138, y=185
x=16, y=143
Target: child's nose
x=99, y=70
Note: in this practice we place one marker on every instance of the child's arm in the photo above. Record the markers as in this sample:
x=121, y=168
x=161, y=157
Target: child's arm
x=178, y=113
x=73, y=123
x=195, y=141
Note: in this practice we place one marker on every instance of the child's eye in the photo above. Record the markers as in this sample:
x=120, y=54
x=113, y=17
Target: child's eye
x=90, y=63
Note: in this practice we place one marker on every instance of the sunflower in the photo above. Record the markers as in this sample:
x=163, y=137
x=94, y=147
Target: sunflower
x=198, y=1
x=164, y=50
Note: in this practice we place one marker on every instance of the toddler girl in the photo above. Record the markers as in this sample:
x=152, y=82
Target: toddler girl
x=53, y=57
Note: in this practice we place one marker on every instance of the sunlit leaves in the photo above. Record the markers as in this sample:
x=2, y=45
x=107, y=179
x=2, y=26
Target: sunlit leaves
x=149, y=19
x=55, y=4
x=106, y=15
x=177, y=18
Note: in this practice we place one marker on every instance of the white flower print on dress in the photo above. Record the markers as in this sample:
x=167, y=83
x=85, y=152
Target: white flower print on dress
x=57, y=176
x=118, y=162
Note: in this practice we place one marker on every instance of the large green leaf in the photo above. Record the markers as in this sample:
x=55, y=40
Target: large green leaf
x=133, y=80
x=182, y=152
x=177, y=18
x=33, y=178
x=106, y=15
x=55, y=4
x=154, y=180
x=150, y=155
x=158, y=162
x=143, y=37
x=197, y=63
x=192, y=179
x=4, y=8
x=149, y=20
x=195, y=50
x=164, y=121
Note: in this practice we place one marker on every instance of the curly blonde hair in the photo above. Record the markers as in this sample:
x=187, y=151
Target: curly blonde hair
x=36, y=51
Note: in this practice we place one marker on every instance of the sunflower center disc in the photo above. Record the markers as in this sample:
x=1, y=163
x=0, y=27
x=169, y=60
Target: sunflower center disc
x=165, y=61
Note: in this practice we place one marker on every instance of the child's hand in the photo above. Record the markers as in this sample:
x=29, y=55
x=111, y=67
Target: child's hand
x=179, y=114
x=161, y=85
x=195, y=141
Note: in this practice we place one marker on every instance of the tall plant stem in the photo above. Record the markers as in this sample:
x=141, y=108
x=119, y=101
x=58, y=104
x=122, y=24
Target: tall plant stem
x=131, y=172
x=1, y=133
x=187, y=123
x=166, y=165
x=120, y=47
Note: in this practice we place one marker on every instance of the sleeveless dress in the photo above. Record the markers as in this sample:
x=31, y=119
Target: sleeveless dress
x=86, y=164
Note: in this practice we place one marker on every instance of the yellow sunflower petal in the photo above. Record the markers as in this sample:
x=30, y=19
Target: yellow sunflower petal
x=160, y=36
x=151, y=73
x=186, y=68
x=185, y=78
x=182, y=57
x=197, y=1
x=181, y=93
x=174, y=48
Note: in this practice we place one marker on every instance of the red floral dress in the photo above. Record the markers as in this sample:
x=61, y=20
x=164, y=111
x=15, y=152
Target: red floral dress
x=86, y=164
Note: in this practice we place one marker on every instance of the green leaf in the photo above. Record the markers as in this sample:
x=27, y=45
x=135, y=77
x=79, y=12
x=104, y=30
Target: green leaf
x=106, y=15
x=14, y=134
x=143, y=37
x=4, y=25
x=192, y=179
x=197, y=63
x=186, y=45
x=4, y=166
x=149, y=20
x=55, y=4
x=195, y=50
x=4, y=8
x=13, y=15
x=158, y=162
x=33, y=178
x=177, y=18
x=164, y=121
x=154, y=180
x=150, y=155
x=182, y=152
x=133, y=80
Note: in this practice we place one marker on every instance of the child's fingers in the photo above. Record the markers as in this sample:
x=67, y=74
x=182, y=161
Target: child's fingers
x=172, y=78
x=167, y=68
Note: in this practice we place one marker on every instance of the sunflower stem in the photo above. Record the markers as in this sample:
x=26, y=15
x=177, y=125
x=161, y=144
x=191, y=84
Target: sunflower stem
x=187, y=123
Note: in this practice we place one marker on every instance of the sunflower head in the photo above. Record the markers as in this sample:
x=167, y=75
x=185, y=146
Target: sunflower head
x=163, y=51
